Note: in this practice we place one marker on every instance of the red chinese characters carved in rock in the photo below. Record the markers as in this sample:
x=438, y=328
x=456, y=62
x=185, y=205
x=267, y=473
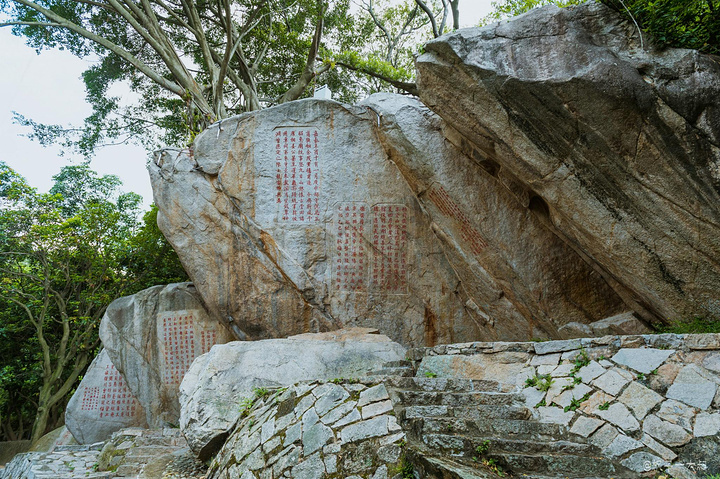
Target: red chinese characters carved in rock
x=390, y=243
x=350, y=261
x=116, y=400
x=90, y=399
x=449, y=208
x=297, y=177
x=182, y=344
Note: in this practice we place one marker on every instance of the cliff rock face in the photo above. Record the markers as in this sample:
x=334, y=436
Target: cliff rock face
x=314, y=215
x=153, y=337
x=615, y=147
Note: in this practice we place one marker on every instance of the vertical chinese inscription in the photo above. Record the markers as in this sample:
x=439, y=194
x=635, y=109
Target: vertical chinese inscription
x=179, y=342
x=350, y=262
x=116, y=401
x=297, y=176
x=90, y=399
x=389, y=239
x=207, y=340
x=449, y=208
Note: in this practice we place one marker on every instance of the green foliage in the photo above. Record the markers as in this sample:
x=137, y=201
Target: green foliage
x=260, y=393
x=246, y=405
x=483, y=448
x=430, y=374
x=604, y=406
x=542, y=382
x=64, y=256
x=697, y=325
x=576, y=402
x=676, y=23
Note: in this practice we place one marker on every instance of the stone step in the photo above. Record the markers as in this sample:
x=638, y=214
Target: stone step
x=561, y=465
x=398, y=364
x=442, y=384
x=509, y=428
x=497, y=445
x=401, y=372
x=456, y=399
x=470, y=413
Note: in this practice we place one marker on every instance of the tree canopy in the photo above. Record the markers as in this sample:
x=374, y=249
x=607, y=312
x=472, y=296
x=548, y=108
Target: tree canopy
x=193, y=62
x=64, y=256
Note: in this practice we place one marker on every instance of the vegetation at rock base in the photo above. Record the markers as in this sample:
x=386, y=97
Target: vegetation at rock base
x=64, y=256
x=697, y=325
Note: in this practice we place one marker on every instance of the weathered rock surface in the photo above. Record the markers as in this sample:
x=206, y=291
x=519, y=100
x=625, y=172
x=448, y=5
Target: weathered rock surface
x=615, y=147
x=218, y=383
x=152, y=337
x=102, y=404
x=393, y=228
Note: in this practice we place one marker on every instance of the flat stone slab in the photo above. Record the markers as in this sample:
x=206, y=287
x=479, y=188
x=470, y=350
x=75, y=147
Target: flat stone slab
x=643, y=360
x=693, y=386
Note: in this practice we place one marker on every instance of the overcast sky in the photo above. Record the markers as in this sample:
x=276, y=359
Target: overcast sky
x=48, y=89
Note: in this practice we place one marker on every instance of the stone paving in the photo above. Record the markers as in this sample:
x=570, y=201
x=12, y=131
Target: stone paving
x=642, y=401
x=344, y=428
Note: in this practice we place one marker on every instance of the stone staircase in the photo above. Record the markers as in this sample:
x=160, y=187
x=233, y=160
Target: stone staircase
x=462, y=424
x=136, y=453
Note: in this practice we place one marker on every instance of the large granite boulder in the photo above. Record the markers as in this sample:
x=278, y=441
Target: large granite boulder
x=152, y=337
x=218, y=383
x=102, y=404
x=314, y=215
x=615, y=147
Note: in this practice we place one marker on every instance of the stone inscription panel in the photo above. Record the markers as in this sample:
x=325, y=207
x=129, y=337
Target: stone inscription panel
x=298, y=174
x=351, y=258
x=390, y=242
x=179, y=342
x=440, y=197
x=183, y=339
x=90, y=399
x=116, y=400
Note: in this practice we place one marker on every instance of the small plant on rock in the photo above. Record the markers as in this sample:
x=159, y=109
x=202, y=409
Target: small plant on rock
x=541, y=404
x=483, y=447
x=246, y=405
x=430, y=374
x=581, y=360
x=604, y=406
x=576, y=402
x=260, y=392
x=493, y=466
x=541, y=382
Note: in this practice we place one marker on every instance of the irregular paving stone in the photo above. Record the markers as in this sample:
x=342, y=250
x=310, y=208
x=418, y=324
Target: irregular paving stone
x=596, y=400
x=620, y=445
x=578, y=392
x=665, y=432
x=338, y=413
x=352, y=416
x=556, y=388
x=554, y=415
x=584, y=426
x=545, y=359
x=376, y=409
x=311, y=468
x=611, y=382
x=373, y=394
x=377, y=426
x=563, y=370
x=707, y=424
x=693, y=386
x=533, y=397
x=604, y=436
x=664, y=452
x=643, y=462
x=330, y=397
x=677, y=413
x=548, y=347
x=315, y=437
x=590, y=372
x=619, y=415
x=639, y=399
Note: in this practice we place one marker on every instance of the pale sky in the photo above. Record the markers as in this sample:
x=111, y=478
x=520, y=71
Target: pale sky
x=48, y=89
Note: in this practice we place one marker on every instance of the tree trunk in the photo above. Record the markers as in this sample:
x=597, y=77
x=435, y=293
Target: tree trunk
x=43, y=413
